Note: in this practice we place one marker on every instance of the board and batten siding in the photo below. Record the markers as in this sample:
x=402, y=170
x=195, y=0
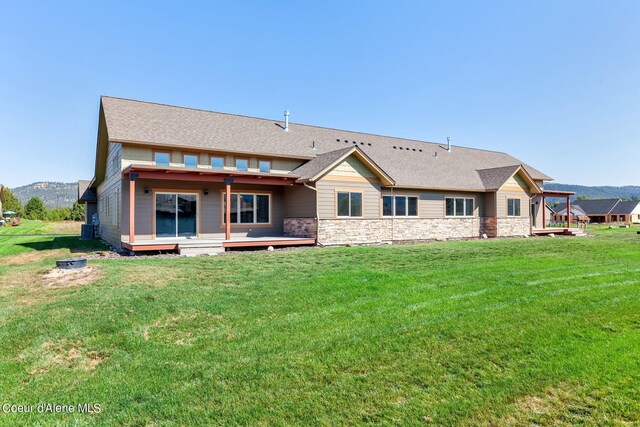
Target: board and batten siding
x=513, y=188
x=109, y=194
x=353, y=176
x=134, y=154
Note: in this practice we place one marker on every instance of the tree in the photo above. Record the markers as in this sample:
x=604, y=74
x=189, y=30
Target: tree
x=11, y=202
x=582, y=198
x=59, y=214
x=34, y=209
x=77, y=212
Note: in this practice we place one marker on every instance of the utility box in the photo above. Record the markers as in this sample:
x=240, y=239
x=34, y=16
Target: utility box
x=87, y=232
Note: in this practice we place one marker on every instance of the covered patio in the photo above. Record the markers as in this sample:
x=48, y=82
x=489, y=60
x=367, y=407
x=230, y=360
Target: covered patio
x=544, y=230
x=209, y=224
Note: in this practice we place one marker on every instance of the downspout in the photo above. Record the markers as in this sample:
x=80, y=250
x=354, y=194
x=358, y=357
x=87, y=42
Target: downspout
x=317, y=213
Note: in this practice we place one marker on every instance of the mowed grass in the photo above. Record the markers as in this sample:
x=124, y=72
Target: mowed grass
x=494, y=332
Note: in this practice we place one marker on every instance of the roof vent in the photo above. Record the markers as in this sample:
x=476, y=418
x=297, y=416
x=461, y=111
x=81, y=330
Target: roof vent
x=448, y=144
x=286, y=120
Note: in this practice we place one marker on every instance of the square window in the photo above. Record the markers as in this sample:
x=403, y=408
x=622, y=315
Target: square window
x=190, y=160
x=242, y=165
x=217, y=163
x=162, y=159
x=264, y=166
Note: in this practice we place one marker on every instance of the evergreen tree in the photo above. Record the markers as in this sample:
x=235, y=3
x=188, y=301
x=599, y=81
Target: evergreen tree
x=35, y=209
x=77, y=212
x=11, y=202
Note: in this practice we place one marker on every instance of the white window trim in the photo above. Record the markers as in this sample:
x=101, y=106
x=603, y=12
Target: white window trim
x=473, y=199
x=255, y=208
x=393, y=206
x=197, y=194
x=349, y=192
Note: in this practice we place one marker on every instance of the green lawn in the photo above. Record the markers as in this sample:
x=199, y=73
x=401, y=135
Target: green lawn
x=489, y=332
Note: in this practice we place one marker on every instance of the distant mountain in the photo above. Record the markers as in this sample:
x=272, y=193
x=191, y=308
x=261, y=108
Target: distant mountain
x=53, y=194
x=601, y=192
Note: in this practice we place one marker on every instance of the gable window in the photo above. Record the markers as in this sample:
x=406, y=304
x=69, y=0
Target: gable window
x=247, y=208
x=162, y=159
x=349, y=203
x=399, y=206
x=242, y=165
x=513, y=207
x=217, y=163
x=458, y=206
x=264, y=166
x=190, y=160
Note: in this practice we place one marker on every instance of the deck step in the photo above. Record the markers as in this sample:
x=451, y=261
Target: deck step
x=195, y=249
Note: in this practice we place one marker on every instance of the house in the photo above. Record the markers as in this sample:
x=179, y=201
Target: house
x=560, y=214
x=603, y=211
x=164, y=176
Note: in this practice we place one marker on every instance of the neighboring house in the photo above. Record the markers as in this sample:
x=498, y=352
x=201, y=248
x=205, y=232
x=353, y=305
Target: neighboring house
x=560, y=214
x=164, y=176
x=602, y=211
x=87, y=195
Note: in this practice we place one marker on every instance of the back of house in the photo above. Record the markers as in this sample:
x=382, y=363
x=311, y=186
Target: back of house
x=170, y=177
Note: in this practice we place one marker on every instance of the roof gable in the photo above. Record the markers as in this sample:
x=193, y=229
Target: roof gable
x=496, y=178
x=323, y=164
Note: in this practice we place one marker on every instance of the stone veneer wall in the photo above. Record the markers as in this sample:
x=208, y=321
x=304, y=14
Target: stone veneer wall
x=368, y=231
x=514, y=226
x=300, y=227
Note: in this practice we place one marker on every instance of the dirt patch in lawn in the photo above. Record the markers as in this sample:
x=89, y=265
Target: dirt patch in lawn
x=62, y=355
x=59, y=278
x=188, y=328
x=560, y=405
x=33, y=256
x=67, y=227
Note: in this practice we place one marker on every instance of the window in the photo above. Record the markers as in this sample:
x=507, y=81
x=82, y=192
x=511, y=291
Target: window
x=513, y=207
x=458, y=206
x=242, y=165
x=217, y=163
x=349, y=204
x=115, y=206
x=264, y=166
x=399, y=206
x=247, y=208
x=190, y=160
x=162, y=159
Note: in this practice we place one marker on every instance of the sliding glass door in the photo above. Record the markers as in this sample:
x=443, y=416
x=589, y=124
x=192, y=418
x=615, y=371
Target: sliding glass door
x=176, y=214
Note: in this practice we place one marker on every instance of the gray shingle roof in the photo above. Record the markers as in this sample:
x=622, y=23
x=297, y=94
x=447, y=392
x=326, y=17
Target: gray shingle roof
x=493, y=178
x=86, y=194
x=592, y=207
x=625, y=207
x=410, y=163
x=315, y=166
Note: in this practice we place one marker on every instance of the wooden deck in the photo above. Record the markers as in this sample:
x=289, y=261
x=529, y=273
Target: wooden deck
x=557, y=230
x=171, y=244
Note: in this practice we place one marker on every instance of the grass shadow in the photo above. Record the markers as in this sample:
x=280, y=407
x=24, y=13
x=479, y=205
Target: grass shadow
x=72, y=243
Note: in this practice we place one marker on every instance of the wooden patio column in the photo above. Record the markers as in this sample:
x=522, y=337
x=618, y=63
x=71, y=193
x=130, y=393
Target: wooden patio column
x=227, y=229
x=132, y=207
x=568, y=212
x=544, y=213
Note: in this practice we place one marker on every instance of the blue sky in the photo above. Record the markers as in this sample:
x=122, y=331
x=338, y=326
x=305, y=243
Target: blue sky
x=557, y=84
